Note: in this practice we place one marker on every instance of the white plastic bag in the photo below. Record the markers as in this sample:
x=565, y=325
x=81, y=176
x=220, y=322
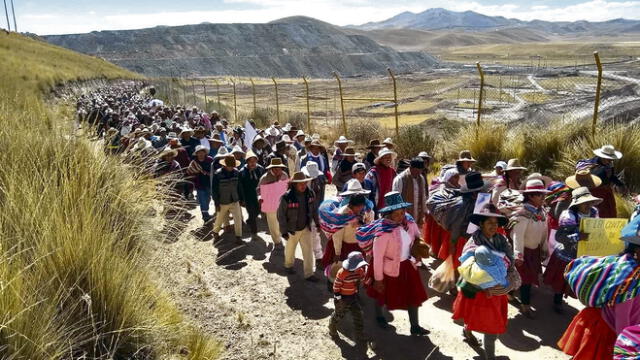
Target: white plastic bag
x=444, y=277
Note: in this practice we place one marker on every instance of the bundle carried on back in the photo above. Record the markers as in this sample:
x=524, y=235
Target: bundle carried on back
x=442, y=203
x=604, y=281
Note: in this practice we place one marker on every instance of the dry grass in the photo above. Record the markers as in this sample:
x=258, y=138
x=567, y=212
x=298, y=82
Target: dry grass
x=73, y=224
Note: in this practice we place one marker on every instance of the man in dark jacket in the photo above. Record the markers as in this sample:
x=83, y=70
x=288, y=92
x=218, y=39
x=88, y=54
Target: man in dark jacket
x=280, y=152
x=295, y=214
x=249, y=178
x=224, y=186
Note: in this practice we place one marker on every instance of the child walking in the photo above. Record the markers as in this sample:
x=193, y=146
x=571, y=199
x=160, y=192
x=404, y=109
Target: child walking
x=345, y=294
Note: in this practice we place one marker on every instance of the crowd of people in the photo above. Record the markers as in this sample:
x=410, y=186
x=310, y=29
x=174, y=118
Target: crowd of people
x=497, y=235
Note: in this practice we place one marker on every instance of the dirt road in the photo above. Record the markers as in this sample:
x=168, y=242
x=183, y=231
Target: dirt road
x=241, y=295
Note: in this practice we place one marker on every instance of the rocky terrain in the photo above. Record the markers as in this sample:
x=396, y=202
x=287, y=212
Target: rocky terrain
x=283, y=48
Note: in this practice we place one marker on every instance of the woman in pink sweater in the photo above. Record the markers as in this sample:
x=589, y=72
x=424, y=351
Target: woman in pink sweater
x=396, y=281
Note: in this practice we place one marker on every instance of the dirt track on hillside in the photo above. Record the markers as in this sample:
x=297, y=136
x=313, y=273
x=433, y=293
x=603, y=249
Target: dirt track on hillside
x=242, y=296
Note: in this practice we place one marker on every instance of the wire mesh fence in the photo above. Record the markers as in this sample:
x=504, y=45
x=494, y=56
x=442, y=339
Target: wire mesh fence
x=515, y=90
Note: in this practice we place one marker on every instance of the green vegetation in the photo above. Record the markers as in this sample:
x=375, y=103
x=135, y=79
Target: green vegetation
x=73, y=224
x=553, y=151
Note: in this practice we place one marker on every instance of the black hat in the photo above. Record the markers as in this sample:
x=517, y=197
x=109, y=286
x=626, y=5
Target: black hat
x=473, y=183
x=417, y=163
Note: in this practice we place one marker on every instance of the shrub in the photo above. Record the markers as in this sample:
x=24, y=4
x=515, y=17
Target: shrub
x=487, y=147
x=625, y=139
x=413, y=139
x=362, y=131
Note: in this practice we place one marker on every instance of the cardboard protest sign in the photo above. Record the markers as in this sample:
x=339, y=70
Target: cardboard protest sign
x=604, y=237
x=271, y=194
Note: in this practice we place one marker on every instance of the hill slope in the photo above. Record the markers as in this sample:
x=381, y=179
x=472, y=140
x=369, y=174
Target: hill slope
x=287, y=47
x=72, y=227
x=433, y=40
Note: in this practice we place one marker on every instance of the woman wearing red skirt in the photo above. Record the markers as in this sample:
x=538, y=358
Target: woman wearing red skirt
x=529, y=235
x=485, y=311
x=396, y=280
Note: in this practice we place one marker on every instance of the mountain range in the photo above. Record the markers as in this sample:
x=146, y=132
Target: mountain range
x=440, y=19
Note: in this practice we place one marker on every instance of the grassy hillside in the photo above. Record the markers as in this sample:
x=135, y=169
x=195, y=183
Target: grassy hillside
x=552, y=53
x=73, y=223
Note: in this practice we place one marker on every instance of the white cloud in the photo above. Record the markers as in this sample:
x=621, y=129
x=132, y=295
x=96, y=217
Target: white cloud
x=337, y=12
x=594, y=10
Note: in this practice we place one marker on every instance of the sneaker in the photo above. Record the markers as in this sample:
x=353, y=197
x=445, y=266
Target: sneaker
x=289, y=270
x=312, y=278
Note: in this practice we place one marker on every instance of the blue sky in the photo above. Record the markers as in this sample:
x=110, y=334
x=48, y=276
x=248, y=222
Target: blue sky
x=60, y=17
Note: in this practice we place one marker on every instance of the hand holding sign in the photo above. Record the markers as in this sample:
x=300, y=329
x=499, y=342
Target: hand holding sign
x=603, y=237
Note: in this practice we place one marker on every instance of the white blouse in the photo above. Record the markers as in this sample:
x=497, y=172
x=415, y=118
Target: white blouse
x=405, y=250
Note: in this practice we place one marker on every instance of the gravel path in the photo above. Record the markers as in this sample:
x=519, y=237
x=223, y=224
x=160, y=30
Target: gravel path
x=241, y=295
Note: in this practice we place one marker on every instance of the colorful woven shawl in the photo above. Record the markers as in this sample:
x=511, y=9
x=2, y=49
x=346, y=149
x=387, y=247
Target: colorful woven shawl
x=627, y=346
x=604, y=281
x=331, y=221
x=367, y=233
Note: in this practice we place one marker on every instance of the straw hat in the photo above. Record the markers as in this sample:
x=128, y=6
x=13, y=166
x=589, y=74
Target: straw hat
x=583, y=178
x=276, y=162
x=393, y=201
x=535, y=186
x=299, y=177
x=229, y=161
x=350, y=152
x=388, y=141
x=383, y=153
x=311, y=169
x=354, y=188
x=315, y=137
x=513, y=164
x=582, y=195
x=465, y=155
x=250, y=154
x=608, y=152
x=287, y=139
x=343, y=140
x=316, y=142
x=299, y=133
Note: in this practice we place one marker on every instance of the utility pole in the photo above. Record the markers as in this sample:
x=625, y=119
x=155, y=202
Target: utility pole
x=6, y=13
x=13, y=11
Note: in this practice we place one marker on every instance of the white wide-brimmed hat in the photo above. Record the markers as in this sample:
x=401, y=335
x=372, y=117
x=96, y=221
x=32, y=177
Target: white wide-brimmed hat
x=388, y=141
x=535, y=186
x=384, y=152
x=608, y=152
x=354, y=188
x=343, y=140
x=222, y=152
